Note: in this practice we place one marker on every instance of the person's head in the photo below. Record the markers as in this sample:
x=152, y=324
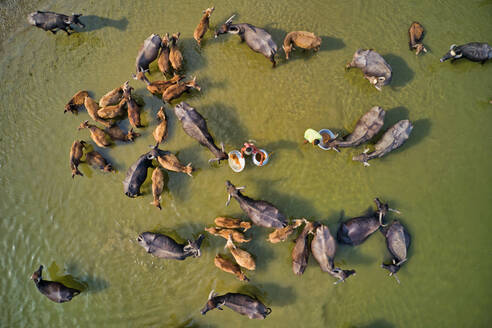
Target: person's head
x=316, y=142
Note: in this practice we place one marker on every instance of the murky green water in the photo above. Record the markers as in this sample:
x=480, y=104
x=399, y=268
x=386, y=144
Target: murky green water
x=86, y=228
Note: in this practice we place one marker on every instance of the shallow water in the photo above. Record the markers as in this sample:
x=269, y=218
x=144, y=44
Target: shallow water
x=84, y=230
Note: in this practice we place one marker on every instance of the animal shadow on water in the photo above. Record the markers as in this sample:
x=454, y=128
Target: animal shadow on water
x=105, y=152
x=421, y=128
x=271, y=293
x=274, y=148
x=259, y=248
x=329, y=43
x=94, y=22
x=178, y=184
x=378, y=323
x=193, y=59
x=87, y=283
x=182, y=232
x=402, y=74
x=184, y=323
x=224, y=124
x=291, y=205
x=392, y=116
x=206, y=84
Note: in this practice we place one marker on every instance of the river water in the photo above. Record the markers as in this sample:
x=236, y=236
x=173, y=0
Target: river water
x=84, y=230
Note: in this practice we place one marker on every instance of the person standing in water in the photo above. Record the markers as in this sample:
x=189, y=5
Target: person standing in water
x=312, y=136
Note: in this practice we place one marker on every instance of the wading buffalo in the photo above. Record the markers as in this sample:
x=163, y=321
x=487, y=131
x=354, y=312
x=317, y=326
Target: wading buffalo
x=195, y=126
x=392, y=139
x=55, y=291
x=256, y=38
x=50, y=21
x=262, y=213
x=165, y=247
x=137, y=173
x=398, y=242
x=366, y=128
x=474, y=51
x=374, y=67
x=148, y=53
x=356, y=230
x=240, y=303
x=324, y=248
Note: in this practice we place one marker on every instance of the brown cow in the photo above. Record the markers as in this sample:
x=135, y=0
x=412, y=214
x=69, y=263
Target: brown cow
x=175, y=56
x=416, y=34
x=202, y=27
x=163, y=61
x=157, y=87
x=112, y=97
x=281, y=234
x=92, y=108
x=76, y=101
x=98, y=135
x=301, y=39
x=133, y=109
x=160, y=132
x=176, y=90
x=232, y=223
x=112, y=111
x=157, y=187
x=76, y=153
x=96, y=160
x=225, y=233
x=170, y=162
x=230, y=267
x=116, y=133
x=242, y=257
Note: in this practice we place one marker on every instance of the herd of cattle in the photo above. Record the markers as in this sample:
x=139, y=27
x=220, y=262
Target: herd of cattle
x=120, y=102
